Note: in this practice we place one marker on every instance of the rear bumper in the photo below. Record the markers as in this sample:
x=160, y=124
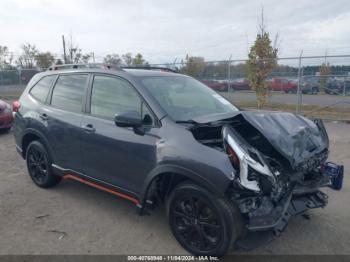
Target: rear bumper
x=6, y=121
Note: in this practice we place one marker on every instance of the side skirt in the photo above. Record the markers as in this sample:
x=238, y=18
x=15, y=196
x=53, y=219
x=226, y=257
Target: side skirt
x=72, y=175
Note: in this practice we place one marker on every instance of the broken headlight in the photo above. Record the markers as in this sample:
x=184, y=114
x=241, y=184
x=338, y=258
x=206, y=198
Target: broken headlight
x=247, y=162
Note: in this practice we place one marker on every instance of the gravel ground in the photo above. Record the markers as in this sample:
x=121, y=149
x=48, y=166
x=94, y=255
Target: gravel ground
x=76, y=219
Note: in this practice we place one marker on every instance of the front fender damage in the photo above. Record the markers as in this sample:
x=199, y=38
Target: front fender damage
x=280, y=162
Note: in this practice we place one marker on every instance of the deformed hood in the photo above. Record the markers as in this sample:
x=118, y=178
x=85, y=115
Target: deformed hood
x=295, y=137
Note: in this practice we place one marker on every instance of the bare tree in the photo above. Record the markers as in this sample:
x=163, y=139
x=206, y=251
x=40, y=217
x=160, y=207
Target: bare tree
x=75, y=54
x=28, y=57
x=5, y=57
x=127, y=59
x=113, y=59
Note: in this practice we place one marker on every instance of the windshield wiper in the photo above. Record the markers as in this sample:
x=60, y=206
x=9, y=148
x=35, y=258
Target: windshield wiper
x=187, y=122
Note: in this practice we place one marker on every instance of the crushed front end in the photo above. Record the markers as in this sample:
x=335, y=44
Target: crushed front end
x=280, y=166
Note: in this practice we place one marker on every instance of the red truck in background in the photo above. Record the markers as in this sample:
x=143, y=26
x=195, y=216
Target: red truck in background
x=283, y=84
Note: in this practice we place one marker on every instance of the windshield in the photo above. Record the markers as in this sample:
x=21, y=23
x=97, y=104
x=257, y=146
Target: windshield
x=184, y=98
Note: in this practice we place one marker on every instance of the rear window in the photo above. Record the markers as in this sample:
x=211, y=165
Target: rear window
x=69, y=91
x=41, y=89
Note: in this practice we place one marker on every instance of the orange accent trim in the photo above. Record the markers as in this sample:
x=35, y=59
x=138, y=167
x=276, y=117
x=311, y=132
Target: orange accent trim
x=69, y=176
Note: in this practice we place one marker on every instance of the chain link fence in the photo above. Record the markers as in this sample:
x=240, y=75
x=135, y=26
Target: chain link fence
x=296, y=84
x=13, y=82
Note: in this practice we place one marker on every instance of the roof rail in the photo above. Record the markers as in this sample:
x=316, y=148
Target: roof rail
x=165, y=69
x=88, y=65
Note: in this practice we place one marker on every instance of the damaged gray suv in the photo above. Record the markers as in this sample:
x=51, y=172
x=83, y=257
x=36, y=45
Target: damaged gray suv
x=154, y=136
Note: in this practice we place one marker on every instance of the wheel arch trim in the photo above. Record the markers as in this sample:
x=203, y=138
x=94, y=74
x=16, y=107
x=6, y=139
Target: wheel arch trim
x=42, y=138
x=177, y=170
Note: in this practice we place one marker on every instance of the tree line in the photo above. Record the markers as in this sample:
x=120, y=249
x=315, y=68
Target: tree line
x=261, y=63
x=31, y=57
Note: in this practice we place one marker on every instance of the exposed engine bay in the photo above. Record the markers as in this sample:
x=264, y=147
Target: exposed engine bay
x=279, y=161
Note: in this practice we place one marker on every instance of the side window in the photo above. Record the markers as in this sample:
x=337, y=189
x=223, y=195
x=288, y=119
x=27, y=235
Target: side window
x=68, y=92
x=41, y=89
x=111, y=96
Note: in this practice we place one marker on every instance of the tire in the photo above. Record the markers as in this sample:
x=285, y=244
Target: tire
x=39, y=165
x=202, y=223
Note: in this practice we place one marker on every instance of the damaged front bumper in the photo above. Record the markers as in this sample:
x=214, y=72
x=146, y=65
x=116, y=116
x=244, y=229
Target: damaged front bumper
x=268, y=218
x=264, y=227
x=276, y=216
x=298, y=199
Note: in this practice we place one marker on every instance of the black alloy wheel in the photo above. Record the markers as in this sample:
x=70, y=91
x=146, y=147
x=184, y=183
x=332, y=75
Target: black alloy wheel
x=39, y=165
x=197, y=223
x=202, y=223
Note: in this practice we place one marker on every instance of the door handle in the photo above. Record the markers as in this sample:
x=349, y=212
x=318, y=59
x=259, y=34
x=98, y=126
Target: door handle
x=44, y=116
x=89, y=128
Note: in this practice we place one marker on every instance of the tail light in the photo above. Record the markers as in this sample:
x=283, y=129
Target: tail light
x=233, y=157
x=16, y=106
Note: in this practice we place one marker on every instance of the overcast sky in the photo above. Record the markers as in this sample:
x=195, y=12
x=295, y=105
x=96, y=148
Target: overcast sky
x=165, y=30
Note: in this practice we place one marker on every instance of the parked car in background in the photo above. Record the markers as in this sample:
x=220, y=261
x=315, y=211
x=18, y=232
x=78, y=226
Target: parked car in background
x=337, y=87
x=6, y=117
x=240, y=84
x=215, y=85
x=309, y=85
x=283, y=84
x=346, y=87
x=332, y=86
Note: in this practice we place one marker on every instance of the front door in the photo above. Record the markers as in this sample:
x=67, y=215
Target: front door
x=112, y=154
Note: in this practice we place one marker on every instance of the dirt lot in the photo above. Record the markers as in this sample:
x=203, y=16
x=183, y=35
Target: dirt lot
x=76, y=219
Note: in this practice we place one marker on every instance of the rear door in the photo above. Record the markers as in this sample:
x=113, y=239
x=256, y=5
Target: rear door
x=64, y=118
x=116, y=154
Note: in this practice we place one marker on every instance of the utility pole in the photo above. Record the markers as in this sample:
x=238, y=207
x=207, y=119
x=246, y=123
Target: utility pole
x=229, y=74
x=299, y=94
x=93, y=57
x=64, y=50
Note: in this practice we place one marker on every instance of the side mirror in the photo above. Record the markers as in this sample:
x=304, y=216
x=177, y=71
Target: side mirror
x=128, y=119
